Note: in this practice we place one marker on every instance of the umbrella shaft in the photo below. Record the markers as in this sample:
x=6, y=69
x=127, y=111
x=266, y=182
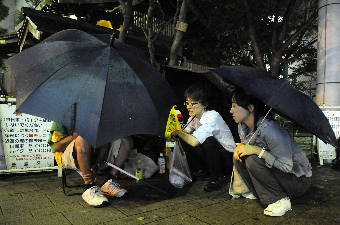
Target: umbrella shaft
x=123, y=171
x=255, y=133
x=130, y=175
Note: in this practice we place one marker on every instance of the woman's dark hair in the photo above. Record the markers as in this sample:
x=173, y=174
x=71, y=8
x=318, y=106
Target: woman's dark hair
x=243, y=98
x=198, y=93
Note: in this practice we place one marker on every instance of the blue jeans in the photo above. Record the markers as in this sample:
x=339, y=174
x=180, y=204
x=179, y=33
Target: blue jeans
x=270, y=184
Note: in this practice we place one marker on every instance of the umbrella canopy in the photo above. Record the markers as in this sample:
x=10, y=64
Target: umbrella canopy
x=282, y=97
x=101, y=92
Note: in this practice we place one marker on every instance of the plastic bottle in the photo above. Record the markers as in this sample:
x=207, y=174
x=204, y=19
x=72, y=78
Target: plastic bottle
x=161, y=164
x=139, y=169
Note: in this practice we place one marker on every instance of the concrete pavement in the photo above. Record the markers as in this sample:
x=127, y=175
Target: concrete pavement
x=37, y=198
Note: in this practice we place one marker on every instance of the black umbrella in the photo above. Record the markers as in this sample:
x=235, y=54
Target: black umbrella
x=101, y=92
x=282, y=97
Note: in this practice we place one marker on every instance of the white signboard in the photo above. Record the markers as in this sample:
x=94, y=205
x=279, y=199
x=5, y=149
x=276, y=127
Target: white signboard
x=326, y=151
x=24, y=140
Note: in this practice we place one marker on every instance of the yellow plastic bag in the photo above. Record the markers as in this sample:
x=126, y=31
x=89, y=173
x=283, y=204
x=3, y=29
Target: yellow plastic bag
x=173, y=122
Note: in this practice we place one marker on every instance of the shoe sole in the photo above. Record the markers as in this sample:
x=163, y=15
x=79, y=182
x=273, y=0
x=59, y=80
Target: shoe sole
x=272, y=214
x=118, y=194
x=104, y=204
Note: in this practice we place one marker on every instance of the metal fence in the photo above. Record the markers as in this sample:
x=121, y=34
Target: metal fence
x=140, y=20
x=305, y=83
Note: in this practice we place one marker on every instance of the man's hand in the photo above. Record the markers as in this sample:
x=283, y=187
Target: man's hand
x=188, y=138
x=174, y=134
x=62, y=144
x=93, y=175
x=75, y=135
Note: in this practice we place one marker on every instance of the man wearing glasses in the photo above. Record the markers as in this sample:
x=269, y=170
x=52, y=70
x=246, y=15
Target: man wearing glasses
x=211, y=141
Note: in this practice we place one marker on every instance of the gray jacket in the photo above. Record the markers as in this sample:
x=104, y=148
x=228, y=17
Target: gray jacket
x=283, y=151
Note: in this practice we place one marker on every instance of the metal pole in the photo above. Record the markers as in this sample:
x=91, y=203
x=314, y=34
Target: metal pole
x=328, y=69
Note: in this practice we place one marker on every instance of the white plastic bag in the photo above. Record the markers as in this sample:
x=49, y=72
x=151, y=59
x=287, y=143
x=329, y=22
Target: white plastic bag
x=149, y=166
x=179, y=171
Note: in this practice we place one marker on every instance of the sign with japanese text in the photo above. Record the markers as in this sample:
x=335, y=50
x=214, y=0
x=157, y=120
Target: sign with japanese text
x=327, y=151
x=334, y=120
x=24, y=140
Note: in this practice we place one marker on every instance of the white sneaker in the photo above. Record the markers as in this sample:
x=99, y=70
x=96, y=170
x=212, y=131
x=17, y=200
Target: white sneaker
x=111, y=188
x=278, y=208
x=94, y=197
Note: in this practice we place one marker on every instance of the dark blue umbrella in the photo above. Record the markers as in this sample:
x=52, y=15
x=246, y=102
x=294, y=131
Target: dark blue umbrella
x=100, y=91
x=282, y=97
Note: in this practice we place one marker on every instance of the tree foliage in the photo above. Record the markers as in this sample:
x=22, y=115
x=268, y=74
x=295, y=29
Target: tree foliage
x=4, y=10
x=252, y=33
x=306, y=66
x=32, y=4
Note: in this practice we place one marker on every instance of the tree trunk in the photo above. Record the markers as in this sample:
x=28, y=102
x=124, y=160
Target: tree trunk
x=253, y=37
x=275, y=64
x=179, y=34
x=127, y=18
x=151, y=33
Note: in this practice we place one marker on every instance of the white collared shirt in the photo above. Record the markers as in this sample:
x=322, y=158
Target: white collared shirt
x=212, y=124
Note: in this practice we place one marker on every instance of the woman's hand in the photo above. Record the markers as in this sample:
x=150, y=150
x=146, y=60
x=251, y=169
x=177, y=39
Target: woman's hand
x=245, y=149
x=238, y=152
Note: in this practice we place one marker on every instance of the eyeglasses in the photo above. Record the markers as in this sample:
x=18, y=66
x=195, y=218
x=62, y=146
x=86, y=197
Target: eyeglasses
x=192, y=104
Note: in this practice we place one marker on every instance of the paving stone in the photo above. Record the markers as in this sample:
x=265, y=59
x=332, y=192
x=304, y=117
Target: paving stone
x=174, y=209
x=222, y=213
x=179, y=219
x=38, y=199
x=93, y=215
x=133, y=208
x=10, y=197
x=18, y=188
x=18, y=206
x=66, y=207
x=142, y=218
x=55, y=219
x=15, y=217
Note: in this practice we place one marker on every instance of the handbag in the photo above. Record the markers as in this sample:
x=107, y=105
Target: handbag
x=237, y=184
x=179, y=171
